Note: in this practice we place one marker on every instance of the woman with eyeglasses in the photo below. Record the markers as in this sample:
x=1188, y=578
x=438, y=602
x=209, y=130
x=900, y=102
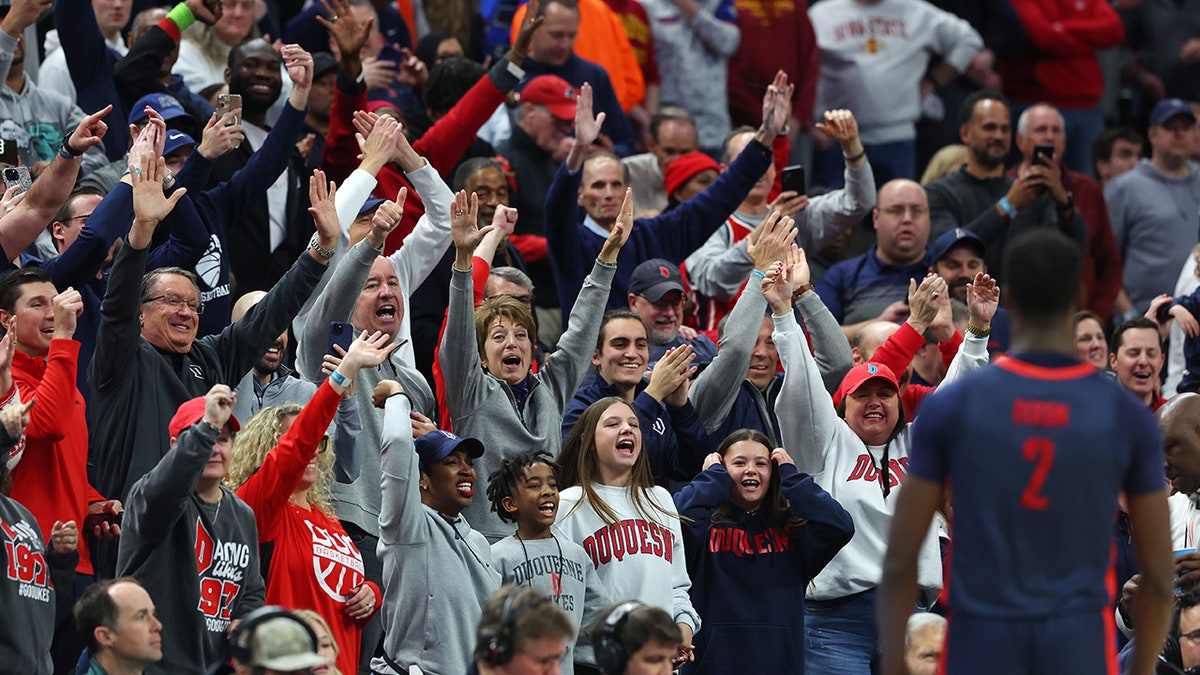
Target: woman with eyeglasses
x=856, y=448
x=282, y=469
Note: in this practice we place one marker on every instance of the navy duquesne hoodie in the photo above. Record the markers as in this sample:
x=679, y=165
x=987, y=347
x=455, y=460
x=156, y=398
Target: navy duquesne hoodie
x=749, y=576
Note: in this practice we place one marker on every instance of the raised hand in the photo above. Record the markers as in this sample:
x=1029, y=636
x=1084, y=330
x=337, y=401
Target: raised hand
x=421, y=424
x=504, y=219
x=777, y=109
x=520, y=49
x=148, y=142
x=1186, y=321
x=780, y=457
x=15, y=417
x=218, y=405
x=710, y=460
x=299, y=64
x=841, y=126
x=620, y=231
x=670, y=374
x=587, y=125
x=413, y=72
x=150, y=205
x=10, y=199
x=321, y=195
x=379, y=144
x=206, y=12
x=22, y=14
x=90, y=131
x=464, y=227
x=386, y=218
x=68, y=306
x=367, y=351
x=777, y=234
x=983, y=297
x=380, y=73
x=348, y=33
x=923, y=301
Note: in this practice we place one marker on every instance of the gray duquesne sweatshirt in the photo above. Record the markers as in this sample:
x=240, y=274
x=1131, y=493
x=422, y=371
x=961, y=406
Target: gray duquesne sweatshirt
x=199, y=561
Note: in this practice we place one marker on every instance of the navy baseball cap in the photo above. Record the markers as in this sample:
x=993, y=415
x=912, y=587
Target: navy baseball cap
x=370, y=204
x=959, y=236
x=437, y=445
x=655, y=278
x=164, y=104
x=1168, y=108
x=175, y=140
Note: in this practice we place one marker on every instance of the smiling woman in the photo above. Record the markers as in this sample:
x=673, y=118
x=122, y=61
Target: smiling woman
x=627, y=525
x=752, y=515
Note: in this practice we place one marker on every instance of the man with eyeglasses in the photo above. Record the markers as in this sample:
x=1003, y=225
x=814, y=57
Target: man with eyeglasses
x=874, y=286
x=993, y=205
x=148, y=360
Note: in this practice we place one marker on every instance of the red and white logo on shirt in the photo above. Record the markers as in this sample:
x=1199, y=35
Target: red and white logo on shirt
x=26, y=560
x=337, y=563
x=221, y=565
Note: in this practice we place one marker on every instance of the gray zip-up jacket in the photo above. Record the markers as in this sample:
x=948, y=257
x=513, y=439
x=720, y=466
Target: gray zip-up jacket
x=482, y=406
x=358, y=502
x=437, y=571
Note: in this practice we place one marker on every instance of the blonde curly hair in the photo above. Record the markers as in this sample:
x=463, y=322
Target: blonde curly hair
x=259, y=435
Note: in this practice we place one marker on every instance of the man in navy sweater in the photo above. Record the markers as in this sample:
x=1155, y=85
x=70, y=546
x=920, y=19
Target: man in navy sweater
x=598, y=185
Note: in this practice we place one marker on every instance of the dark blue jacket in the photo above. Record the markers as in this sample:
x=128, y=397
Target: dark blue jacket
x=226, y=202
x=1191, y=345
x=749, y=576
x=673, y=438
x=672, y=235
x=90, y=62
x=577, y=71
x=752, y=409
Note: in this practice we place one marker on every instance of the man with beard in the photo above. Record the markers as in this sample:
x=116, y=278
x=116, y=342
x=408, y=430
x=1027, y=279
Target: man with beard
x=270, y=382
x=993, y=205
x=275, y=227
x=958, y=255
x=656, y=294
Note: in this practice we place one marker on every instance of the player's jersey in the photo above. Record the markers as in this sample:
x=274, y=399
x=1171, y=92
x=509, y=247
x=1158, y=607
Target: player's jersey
x=1034, y=450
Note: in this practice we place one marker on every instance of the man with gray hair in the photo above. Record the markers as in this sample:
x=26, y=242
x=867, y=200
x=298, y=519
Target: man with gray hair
x=1042, y=126
x=923, y=640
x=672, y=135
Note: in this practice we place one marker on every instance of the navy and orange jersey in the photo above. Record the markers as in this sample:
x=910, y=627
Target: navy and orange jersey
x=1034, y=450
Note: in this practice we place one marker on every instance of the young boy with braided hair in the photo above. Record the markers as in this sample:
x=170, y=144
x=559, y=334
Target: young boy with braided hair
x=524, y=490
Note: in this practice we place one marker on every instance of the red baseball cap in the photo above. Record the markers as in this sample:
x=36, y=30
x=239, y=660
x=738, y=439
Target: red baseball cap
x=189, y=413
x=860, y=375
x=680, y=171
x=553, y=92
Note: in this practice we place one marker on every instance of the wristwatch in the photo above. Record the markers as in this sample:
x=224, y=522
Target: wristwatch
x=315, y=244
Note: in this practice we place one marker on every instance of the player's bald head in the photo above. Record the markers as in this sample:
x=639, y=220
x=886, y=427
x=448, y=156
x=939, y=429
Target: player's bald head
x=1179, y=413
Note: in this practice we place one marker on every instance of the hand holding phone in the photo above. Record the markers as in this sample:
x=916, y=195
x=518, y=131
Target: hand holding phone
x=1043, y=154
x=793, y=179
x=230, y=103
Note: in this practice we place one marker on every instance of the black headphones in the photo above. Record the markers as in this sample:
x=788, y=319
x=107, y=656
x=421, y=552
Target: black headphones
x=611, y=655
x=501, y=647
x=239, y=642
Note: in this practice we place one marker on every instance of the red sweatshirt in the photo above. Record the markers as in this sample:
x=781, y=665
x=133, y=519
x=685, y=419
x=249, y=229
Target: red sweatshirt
x=442, y=145
x=775, y=34
x=314, y=564
x=1060, y=66
x=51, y=480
